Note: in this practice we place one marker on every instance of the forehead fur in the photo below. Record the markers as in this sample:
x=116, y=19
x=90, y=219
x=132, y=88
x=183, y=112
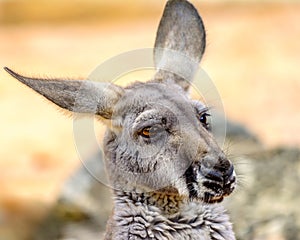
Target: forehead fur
x=141, y=96
x=151, y=102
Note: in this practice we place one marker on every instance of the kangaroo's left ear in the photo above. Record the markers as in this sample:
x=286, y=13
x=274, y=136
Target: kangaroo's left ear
x=180, y=43
x=76, y=95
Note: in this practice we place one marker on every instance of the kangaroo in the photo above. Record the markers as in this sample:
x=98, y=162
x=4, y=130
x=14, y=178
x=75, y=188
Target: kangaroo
x=167, y=172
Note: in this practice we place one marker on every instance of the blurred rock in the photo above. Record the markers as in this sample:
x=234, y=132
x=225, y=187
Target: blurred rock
x=234, y=138
x=83, y=207
x=266, y=204
x=223, y=127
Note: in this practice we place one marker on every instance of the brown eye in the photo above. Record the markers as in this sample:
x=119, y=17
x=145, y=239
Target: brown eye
x=145, y=132
x=148, y=132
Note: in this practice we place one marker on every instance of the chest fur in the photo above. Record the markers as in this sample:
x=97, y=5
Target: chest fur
x=193, y=221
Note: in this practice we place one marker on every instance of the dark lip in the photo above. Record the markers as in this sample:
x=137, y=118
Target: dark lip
x=216, y=191
x=210, y=198
x=217, y=184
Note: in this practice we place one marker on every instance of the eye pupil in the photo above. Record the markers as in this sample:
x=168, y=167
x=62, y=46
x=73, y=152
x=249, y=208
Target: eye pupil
x=204, y=121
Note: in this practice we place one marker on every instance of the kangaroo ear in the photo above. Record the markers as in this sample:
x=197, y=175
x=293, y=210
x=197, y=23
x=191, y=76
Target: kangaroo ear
x=75, y=95
x=180, y=43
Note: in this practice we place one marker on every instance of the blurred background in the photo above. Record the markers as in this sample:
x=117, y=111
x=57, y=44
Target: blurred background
x=253, y=57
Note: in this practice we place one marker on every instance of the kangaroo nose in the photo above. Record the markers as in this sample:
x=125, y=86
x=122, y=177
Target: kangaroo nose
x=217, y=169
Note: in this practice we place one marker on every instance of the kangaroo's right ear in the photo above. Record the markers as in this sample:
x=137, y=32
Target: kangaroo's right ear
x=76, y=95
x=180, y=42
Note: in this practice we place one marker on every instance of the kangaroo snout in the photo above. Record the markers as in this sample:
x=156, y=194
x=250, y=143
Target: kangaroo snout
x=218, y=169
x=218, y=176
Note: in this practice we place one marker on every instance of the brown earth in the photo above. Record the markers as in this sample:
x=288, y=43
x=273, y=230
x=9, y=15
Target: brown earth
x=252, y=56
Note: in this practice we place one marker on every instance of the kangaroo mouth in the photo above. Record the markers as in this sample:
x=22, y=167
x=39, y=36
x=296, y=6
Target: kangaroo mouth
x=209, y=186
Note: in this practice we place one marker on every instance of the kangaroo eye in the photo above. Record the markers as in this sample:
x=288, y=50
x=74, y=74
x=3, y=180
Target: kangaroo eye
x=148, y=132
x=203, y=119
x=145, y=132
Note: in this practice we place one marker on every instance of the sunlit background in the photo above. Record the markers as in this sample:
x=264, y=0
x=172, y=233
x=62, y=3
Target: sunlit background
x=253, y=57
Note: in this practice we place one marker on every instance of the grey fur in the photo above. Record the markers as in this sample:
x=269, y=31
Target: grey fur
x=167, y=171
x=75, y=95
x=180, y=42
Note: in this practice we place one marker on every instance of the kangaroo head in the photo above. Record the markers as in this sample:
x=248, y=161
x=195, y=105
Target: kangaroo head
x=158, y=139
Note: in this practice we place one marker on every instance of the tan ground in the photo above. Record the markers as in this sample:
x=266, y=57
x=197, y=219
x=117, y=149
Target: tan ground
x=253, y=56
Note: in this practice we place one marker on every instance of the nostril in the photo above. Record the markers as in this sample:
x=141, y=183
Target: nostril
x=231, y=180
x=221, y=171
x=212, y=175
x=230, y=176
x=223, y=165
x=230, y=171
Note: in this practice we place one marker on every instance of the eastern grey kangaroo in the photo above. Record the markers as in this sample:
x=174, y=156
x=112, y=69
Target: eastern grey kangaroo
x=167, y=171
